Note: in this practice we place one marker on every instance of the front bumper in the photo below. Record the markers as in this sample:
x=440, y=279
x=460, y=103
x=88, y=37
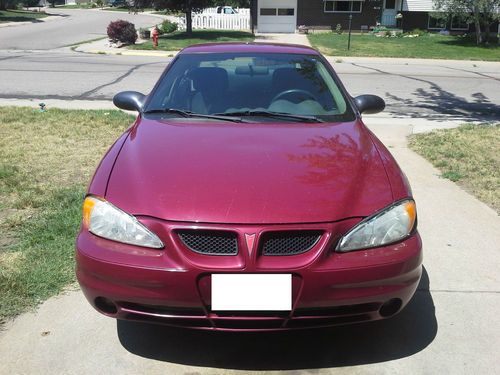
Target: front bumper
x=172, y=286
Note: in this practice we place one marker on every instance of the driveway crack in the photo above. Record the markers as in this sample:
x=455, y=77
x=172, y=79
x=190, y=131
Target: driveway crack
x=86, y=94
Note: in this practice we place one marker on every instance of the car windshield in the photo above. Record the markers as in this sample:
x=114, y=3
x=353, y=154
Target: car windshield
x=256, y=85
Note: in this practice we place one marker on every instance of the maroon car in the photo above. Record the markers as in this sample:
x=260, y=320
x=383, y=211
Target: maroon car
x=249, y=195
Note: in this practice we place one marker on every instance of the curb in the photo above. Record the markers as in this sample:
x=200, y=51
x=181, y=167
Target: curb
x=126, y=52
x=49, y=18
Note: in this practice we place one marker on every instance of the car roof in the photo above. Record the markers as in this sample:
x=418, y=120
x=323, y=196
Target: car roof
x=251, y=47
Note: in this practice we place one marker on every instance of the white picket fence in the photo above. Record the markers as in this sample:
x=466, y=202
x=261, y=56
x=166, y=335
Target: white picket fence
x=242, y=11
x=216, y=21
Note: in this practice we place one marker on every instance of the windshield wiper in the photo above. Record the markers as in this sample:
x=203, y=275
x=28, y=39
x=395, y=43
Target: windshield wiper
x=189, y=114
x=272, y=115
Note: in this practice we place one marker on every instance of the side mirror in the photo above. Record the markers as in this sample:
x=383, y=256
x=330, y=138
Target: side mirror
x=129, y=100
x=369, y=104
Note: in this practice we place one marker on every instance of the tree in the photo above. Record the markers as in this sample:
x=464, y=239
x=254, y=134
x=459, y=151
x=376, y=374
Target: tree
x=30, y=3
x=8, y=4
x=482, y=13
x=185, y=6
x=233, y=3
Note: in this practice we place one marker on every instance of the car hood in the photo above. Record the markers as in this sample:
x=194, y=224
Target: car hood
x=213, y=172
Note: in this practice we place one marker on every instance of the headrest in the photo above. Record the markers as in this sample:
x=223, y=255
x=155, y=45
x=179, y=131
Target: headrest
x=284, y=75
x=284, y=78
x=251, y=70
x=209, y=79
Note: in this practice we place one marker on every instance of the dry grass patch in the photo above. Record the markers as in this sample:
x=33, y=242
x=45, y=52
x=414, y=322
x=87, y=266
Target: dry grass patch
x=43, y=151
x=46, y=161
x=468, y=155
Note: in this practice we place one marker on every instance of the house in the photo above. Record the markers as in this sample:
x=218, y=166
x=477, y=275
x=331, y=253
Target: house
x=286, y=15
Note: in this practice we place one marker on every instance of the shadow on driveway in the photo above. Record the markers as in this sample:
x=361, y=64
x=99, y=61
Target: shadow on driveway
x=404, y=335
x=435, y=103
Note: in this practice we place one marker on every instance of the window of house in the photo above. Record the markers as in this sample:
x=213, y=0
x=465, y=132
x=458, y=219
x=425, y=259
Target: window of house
x=286, y=12
x=342, y=6
x=267, y=11
x=437, y=23
x=390, y=4
x=459, y=24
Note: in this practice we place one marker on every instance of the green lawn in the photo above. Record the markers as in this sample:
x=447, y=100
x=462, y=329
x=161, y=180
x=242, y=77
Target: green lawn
x=431, y=46
x=75, y=6
x=87, y=5
x=46, y=162
x=468, y=155
x=20, y=16
x=179, y=40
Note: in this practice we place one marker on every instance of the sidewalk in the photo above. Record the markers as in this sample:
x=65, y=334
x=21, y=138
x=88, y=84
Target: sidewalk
x=102, y=46
x=381, y=120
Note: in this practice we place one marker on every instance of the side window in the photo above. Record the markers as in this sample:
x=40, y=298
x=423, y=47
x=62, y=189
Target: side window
x=436, y=22
x=286, y=12
x=340, y=103
x=268, y=11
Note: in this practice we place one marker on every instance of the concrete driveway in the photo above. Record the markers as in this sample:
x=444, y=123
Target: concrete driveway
x=450, y=326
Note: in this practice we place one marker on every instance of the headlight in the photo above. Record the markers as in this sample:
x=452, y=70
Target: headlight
x=105, y=220
x=387, y=226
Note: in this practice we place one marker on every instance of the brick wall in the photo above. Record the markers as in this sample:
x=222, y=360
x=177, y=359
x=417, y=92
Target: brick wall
x=311, y=13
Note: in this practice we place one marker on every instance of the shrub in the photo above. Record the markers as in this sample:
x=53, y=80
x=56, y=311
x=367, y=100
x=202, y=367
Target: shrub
x=122, y=31
x=338, y=29
x=30, y=3
x=144, y=33
x=168, y=27
x=419, y=32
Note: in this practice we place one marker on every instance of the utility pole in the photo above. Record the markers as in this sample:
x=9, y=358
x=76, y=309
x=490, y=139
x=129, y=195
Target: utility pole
x=350, y=29
x=253, y=16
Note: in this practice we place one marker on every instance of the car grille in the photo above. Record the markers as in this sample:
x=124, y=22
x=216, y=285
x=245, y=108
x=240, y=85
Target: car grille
x=289, y=243
x=210, y=242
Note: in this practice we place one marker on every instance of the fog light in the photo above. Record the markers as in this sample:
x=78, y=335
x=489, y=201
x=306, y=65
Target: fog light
x=390, y=308
x=105, y=306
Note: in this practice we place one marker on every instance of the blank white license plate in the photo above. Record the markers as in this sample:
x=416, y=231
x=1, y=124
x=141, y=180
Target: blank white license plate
x=252, y=292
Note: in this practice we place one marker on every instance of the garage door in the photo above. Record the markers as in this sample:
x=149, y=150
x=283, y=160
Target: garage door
x=277, y=16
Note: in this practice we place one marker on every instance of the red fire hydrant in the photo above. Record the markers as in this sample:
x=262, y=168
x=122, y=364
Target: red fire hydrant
x=155, y=34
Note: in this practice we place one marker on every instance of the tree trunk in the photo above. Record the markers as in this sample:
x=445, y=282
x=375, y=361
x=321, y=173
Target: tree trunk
x=189, y=21
x=477, y=24
x=486, y=26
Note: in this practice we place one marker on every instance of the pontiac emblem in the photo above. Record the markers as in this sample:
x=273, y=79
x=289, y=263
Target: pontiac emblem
x=250, y=240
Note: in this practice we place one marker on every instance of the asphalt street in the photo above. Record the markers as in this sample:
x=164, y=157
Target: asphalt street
x=36, y=64
x=462, y=90
x=434, y=90
x=75, y=76
x=69, y=26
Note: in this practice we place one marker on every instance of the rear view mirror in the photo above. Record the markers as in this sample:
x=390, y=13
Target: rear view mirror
x=129, y=100
x=252, y=70
x=369, y=104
